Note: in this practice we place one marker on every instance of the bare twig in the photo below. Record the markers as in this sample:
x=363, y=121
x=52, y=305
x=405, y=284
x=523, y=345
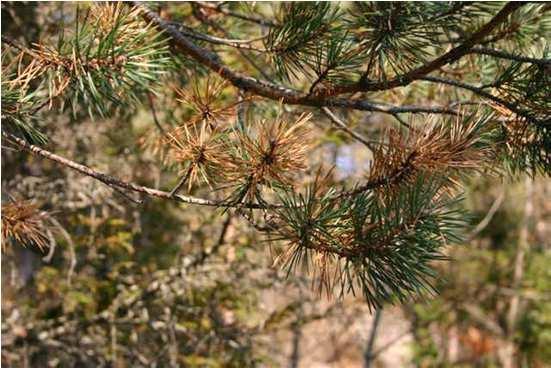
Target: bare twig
x=205, y=254
x=505, y=55
x=489, y=216
x=241, y=50
x=479, y=91
x=181, y=182
x=368, y=355
x=401, y=121
x=71, y=245
x=126, y=196
x=249, y=18
x=51, y=248
x=235, y=43
x=154, y=113
x=342, y=126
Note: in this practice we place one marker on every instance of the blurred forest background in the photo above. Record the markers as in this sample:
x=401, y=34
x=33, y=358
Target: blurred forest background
x=160, y=283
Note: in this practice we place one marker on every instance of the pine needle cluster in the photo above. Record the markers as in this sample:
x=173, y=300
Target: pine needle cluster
x=23, y=223
x=200, y=152
x=452, y=147
x=110, y=59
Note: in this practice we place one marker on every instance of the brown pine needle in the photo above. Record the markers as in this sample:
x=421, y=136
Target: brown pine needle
x=23, y=223
x=203, y=155
x=275, y=155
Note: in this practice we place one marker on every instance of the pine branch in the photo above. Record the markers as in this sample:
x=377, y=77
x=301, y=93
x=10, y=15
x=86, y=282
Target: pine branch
x=270, y=90
x=102, y=65
x=381, y=243
x=290, y=96
x=114, y=182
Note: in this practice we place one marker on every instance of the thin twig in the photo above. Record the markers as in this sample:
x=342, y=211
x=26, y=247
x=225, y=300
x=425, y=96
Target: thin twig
x=378, y=352
x=241, y=50
x=182, y=181
x=249, y=18
x=71, y=244
x=342, y=126
x=368, y=355
x=154, y=113
x=52, y=247
x=489, y=216
x=401, y=121
x=505, y=55
x=235, y=43
x=479, y=91
x=126, y=196
x=202, y=257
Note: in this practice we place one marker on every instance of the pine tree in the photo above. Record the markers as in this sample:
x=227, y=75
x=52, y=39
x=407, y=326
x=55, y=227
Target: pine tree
x=465, y=85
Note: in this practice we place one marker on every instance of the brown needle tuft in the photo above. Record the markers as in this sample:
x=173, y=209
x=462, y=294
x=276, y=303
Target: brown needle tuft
x=205, y=100
x=434, y=148
x=23, y=223
x=202, y=154
x=273, y=156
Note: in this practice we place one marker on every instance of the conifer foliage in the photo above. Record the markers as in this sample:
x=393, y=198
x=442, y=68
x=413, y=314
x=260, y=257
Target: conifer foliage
x=462, y=88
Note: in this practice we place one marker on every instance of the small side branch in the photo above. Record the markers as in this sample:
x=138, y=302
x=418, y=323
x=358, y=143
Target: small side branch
x=489, y=216
x=181, y=182
x=342, y=126
x=368, y=355
x=479, y=91
x=248, y=18
x=505, y=55
x=154, y=113
x=235, y=43
x=205, y=254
